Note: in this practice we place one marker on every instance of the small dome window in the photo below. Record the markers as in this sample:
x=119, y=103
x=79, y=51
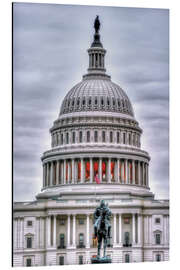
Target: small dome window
x=96, y=101
x=89, y=101
x=102, y=101
x=114, y=103
x=108, y=102
x=84, y=102
x=73, y=102
x=78, y=101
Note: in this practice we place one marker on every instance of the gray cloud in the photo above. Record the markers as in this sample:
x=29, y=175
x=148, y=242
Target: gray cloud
x=49, y=52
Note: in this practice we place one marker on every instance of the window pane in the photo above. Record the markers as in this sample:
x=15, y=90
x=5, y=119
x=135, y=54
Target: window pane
x=80, y=259
x=28, y=262
x=158, y=238
x=29, y=242
x=61, y=260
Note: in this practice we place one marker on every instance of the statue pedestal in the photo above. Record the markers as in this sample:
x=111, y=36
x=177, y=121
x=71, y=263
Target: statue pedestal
x=100, y=260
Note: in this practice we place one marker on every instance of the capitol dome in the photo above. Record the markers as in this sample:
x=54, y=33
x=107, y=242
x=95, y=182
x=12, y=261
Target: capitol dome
x=96, y=140
x=97, y=93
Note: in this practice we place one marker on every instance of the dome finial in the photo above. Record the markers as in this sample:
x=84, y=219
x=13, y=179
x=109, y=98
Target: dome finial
x=97, y=24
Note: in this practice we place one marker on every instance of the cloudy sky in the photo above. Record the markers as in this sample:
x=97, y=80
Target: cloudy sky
x=50, y=57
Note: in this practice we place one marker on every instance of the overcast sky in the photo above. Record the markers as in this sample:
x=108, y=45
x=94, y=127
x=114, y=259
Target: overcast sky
x=50, y=56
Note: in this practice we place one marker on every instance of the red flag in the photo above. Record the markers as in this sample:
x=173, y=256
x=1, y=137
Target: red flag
x=97, y=179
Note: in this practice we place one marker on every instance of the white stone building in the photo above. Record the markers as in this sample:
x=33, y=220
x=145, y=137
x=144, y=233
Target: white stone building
x=96, y=133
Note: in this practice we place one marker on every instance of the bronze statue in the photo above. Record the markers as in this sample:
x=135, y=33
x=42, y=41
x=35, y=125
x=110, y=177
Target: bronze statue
x=97, y=24
x=102, y=227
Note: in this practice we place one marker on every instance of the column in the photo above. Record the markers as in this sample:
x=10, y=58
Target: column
x=133, y=229
x=54, y=232
x=15, y=234
x=64, y=172
x=114, y=242
x=142, y=173
x=139, y=173
x=140, y=229
x=48, y=231
x=69, y=170
x=100, y=169
x=109, y=170
x=126, y=171
x=37, y=232
x=91, y=170
x=87, y=231
x=82, y=170
x=52, y=172
x=150, y=229
x=118, y=180
x=74, y=230
x=18, y=232
x=68, y=231
x=57, y=172
x=147, y=183
x=44, y=175
x=133, y=172
x=120, y=229
x=21, y=233
x=48, y=174
x=73, y=171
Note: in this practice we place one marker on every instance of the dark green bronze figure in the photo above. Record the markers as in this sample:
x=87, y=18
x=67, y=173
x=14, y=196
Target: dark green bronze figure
x=102, y=229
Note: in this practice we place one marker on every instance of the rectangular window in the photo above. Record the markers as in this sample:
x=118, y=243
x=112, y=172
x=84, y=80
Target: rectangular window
x=29, y=242
x=158, y=257
x=29, y=223
x=127, y=259
x=62, y=241
x=81, y=221
x=157, y=220
x=62, y=222
x=61, y=260
x=158, y=238
x=28, y=262
x=80, y=259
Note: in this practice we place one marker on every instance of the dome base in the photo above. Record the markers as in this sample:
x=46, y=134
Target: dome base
x=84, y=191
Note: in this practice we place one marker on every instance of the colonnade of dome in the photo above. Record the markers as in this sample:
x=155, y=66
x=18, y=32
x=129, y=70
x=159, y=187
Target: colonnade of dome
x=85, y=170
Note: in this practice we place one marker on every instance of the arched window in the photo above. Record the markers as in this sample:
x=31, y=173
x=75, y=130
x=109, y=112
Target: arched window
x=88, y=136
x=80, y=136
x=95, y=136
x=124, y=138
x=84, y=101
x=108, y=102
x=111, y=136
x=129, y=139
x=73, y=137
x=102, y=101
x=90, y=101
x=118, y=137
x=61, y=138
x=96, y=101
x=67, y=138
x=103, y=136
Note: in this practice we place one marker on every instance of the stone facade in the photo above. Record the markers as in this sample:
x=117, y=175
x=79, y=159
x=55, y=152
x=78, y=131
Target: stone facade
x=96, y=136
